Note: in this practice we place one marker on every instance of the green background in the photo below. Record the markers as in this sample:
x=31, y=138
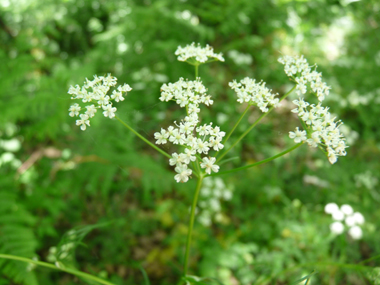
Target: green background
x=54, y=177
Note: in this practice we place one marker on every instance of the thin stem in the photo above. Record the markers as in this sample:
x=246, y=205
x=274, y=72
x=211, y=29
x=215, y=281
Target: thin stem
x=258, y=163
x=237, y=123
x=191, y=223
x=144, y=139
x=67, y=270
x=197, y=162
x=196, y=71
x=253, y=125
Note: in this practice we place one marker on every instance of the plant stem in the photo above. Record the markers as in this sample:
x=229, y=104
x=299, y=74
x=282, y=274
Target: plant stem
x=191, y=223
x=144, y=139
x=67, y=270
x=258, y=163
x=237, y=123
x=253, y=125
x=196, y=71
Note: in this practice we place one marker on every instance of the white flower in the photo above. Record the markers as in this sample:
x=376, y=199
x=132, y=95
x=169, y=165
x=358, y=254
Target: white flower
x=350, y=221
x=74, y=109
x=83, y=121
x=337, y=228
x=358, y=217
x=254, y=93
x=87, y=96
x=124, y=88
x=205, y=219
x=316, y=118
x=98, y=88
x=216, y=144
x=103, y=100
x=199, y=54
x=347, y=209
x=109, y=80
x=74, y=91
x=332, y=156
x=117, y=96
x=215, y=205
x=189, y=156
x=331, y=208
x=188, y=133
x=202, y=146
x=234, y=85
x=109, y=111
x=208, y=163
x=177, y=137
x=298, y=135
x=338, y=215
x=176, y=159
x=227, y=194
x=355, y=232
x=166, y=96
x=161, y=137
x=183, y=173
x=91, y=110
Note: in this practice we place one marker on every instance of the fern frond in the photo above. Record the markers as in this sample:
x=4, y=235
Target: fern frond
x=16, y=238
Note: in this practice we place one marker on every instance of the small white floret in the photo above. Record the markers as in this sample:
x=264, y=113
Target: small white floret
x=347, y=209
x=74, y=110
x=83, y=121
x=109, y=111
x=337, y=228
x=338, y=215
x=331, y=208
x=298, y=135
x=355, y=232
x=208, y=163
x=183, y=173
x=359, y=219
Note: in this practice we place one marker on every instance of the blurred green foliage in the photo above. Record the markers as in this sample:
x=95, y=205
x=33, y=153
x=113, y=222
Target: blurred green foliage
x=55, y=178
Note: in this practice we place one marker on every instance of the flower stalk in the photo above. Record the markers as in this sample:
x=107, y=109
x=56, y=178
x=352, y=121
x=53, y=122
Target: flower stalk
x=258, y=163
x=252, y=126
x=51, y=266
x=191, y=222
x=142, y=138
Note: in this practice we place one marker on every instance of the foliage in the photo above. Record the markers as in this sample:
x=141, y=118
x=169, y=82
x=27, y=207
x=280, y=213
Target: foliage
x=54, y=177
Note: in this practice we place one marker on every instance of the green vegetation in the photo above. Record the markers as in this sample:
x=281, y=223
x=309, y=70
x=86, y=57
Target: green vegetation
x=103, y=205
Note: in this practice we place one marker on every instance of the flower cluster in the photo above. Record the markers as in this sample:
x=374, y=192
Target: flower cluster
x=249, y=91
x=321, y=129
x=196, y=138
x=302, y=73
x=345, y=213
x=201, y=55
x=212, y=193
x=96, y=91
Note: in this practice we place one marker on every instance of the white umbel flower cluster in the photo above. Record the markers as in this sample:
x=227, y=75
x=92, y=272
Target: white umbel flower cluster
x=249, y=91
x=321, y=129
x=345, y=214
x=196, y=138
x=197, y=53
x=298, y=68
x=212, y=193
x=95, y=91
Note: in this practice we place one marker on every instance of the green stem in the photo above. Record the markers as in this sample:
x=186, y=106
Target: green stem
x=237, y=123
x=191, y=223
x=253, y=125
x=196, y=71
x=144, y=139
x=67, y=270
x=258, y=163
